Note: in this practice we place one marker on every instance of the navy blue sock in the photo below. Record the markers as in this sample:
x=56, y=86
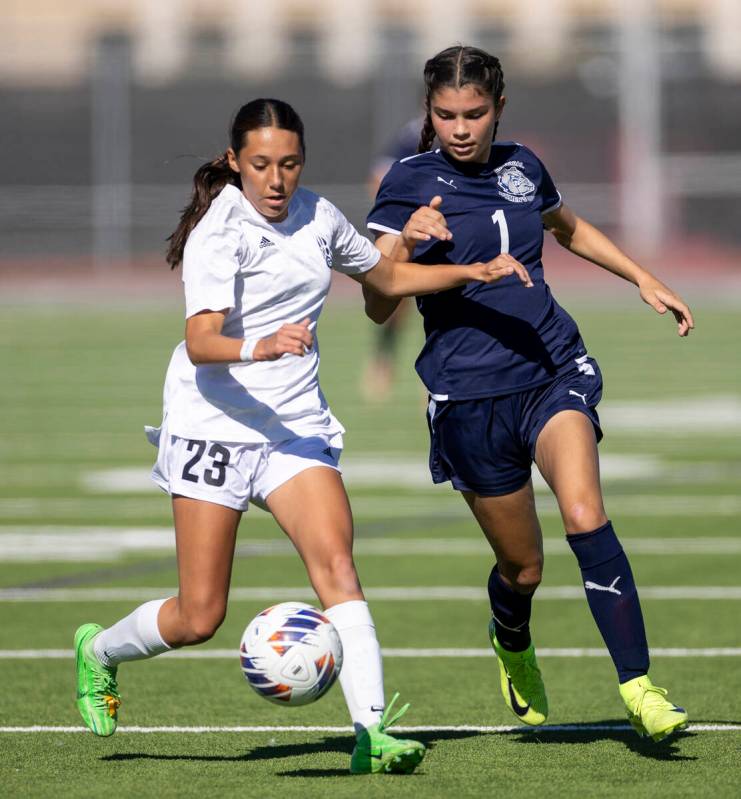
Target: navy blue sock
x=613, y=599
x=511, y=613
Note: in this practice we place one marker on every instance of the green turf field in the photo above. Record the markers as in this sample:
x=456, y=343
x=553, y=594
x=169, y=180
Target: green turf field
x=82, y=537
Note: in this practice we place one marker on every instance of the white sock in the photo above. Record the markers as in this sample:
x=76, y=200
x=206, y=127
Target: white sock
x=361, y=677
x=135, y=637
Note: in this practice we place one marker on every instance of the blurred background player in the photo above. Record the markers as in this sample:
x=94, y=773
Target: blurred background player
x=245, y=420
x=378, y=375
x=509, y=377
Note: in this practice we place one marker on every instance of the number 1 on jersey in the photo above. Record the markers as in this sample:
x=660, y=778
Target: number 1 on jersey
x=498, y=218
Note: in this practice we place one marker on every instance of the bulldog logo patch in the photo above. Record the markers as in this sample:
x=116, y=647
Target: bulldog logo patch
x=513, y=183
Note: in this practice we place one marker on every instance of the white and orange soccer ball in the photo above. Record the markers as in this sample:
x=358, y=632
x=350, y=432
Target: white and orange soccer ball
x=291, y=654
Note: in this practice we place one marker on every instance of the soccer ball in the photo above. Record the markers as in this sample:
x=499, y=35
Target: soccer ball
x=291, y=654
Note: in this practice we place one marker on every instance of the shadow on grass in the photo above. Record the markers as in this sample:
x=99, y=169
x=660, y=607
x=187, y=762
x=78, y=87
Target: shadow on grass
x=345, y=745
x=612, y=731
x=267, y=752
x=126, y=756
x=563, y=734
x=340, y=744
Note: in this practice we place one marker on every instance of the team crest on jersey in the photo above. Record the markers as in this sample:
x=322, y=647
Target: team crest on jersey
x=326, y=252
x=513, y=184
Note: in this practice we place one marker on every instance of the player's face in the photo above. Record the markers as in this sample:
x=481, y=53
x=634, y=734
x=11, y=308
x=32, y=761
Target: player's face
x=270, y=164
x=464, y=121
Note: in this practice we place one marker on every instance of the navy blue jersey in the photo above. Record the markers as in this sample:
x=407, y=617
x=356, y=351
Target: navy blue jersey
x=483, y=340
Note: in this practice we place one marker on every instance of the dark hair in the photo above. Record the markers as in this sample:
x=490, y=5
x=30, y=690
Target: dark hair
x=211, y=178
x=456, y=67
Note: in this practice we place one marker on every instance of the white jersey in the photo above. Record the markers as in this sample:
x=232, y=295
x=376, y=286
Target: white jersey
x=266, y=274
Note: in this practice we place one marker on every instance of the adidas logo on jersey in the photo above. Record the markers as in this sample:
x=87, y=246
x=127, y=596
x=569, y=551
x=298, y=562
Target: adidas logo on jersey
x=265, y=243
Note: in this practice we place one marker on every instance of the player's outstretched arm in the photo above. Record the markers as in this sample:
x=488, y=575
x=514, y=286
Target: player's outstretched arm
x=205, y=344
x=397, y=279
x=379, y=308
x=585, y=240
x=425, y=223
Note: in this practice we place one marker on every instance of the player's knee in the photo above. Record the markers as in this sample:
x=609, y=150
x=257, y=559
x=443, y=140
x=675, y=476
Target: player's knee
x=583, y=517
x=523, y=578
x=202, y=622
x=528, y=578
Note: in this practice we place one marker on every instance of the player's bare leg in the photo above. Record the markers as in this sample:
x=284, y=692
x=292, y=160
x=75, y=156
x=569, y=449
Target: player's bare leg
x=566, y=454
x=313, y=510
x=205, y=534
x=511, y=526
x=512, y=529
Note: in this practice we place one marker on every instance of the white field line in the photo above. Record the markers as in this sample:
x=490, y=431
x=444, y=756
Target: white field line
x=709, y=414
x=20, y=543
x=441, y=502
x=371, y=471
x=378, y=508
x=504, y=728
x=411, y=652
x=640, y=505
x=406, y=594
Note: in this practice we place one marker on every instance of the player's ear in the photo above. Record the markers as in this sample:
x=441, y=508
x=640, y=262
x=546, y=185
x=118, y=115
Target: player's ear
x=499, y=107
x=231, y=157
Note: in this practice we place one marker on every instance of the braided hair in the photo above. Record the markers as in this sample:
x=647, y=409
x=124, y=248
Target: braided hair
x=459, y=66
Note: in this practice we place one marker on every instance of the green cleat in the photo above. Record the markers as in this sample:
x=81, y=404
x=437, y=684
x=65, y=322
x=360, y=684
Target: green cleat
x=650, y=715
x=521, y=682
x=97, y=692
x=377, y=752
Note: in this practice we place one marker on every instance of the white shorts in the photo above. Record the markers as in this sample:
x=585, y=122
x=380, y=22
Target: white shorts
x=234, y=474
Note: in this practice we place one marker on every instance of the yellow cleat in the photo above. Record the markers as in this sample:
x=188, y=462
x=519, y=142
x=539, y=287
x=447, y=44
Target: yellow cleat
x=521, y=682
x=650, y=714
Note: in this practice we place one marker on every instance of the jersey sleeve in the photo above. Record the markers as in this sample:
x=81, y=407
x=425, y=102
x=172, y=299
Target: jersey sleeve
x=210, y=263
x=551, y=196
x=351, y=253
x=395, y=202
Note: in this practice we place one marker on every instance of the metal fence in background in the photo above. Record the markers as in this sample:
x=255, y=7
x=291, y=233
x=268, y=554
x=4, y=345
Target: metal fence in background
x=633, y=116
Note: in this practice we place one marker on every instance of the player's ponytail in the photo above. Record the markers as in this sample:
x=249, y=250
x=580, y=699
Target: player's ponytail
x=208, y=181
x=211, y=178
x=456, y=67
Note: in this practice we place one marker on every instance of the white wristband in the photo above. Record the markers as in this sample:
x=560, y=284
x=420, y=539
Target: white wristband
x=248, y=349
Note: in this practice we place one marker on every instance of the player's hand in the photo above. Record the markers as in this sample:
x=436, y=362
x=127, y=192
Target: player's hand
x=502, y=266
x=662, y=299
x=426, y=223
x=289, y=339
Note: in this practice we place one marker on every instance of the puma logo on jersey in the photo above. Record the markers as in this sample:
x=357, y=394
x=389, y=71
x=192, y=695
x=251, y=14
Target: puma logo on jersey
x=590, y=586
x=582, y=397
x=447, y=182
x=265, y=243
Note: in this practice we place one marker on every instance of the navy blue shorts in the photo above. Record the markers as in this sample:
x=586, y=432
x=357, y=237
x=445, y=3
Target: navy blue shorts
x=487, y=445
